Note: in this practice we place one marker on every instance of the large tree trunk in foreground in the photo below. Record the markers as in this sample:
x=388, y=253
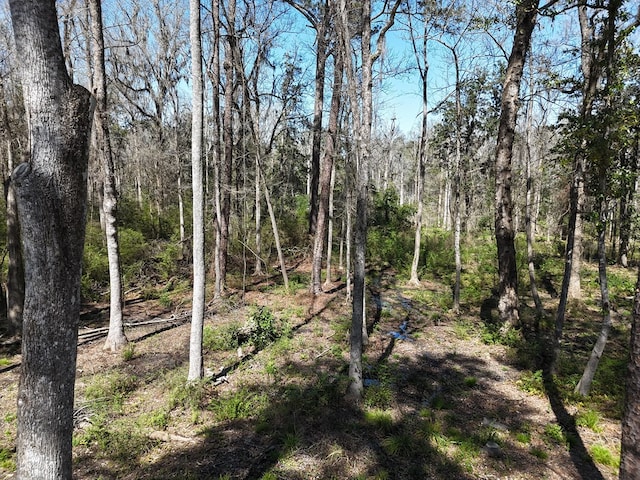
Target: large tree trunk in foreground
x=196, y=366
x=116, y=338
x=505, y=234
x=51, y=192
x=630, y=456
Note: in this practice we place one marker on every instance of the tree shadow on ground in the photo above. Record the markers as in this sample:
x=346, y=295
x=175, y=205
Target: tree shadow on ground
x=578, y=452
x=435, y=429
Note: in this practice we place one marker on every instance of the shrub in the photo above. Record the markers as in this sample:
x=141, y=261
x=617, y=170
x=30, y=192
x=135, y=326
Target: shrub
x=263, y=328
x=226, y=337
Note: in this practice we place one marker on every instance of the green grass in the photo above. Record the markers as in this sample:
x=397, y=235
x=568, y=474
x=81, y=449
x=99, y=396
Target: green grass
x=554, y=433
x=129, y=352
x=7, y=460
x=110, y=389
x=158, y=419
x=532, y=383
x=399, y=445
x=539, y=452
x=589, y=419
x=238, y=405
x=603, y=456
x=380, y=419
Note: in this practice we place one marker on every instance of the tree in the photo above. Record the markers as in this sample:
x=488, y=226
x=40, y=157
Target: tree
x=226, y=159
x=360, y=96
x=51, y=195
x=198, y=303
x=422, y=62
x=526, y=12
x=326, y=169
x=116, y=338
x=319, y=16
x=630, y=451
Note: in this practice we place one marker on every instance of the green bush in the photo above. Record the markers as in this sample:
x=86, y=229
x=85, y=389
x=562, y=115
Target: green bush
x=263, y=327
x=226, y=337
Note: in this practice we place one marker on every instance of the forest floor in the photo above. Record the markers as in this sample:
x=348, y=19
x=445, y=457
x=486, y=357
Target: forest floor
x=440, y=403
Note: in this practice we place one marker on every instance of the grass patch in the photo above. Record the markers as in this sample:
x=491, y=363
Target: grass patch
x=223, y=338
x=7, y=460
x=532, y=383
x=603, y=456
x=129, y=352
x=116, y=440
x=589, y=419
x=158, y=419
x=239, y=405
x=110, y=389
x=379, y=419
x=554, y=433
x=539, y=452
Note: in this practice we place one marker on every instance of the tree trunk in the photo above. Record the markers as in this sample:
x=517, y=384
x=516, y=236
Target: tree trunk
x=325, y=177
x=214, y=76
x=422, y=155
x=627, y=205
x=13, y=302
x=227, y=159
x=457, y=187
x=528, y=217
x=505, y=234
x=590, y=65
x=318, y=106
x=258, y=214
x=356, y=386
x=584, y=385
x=274, y=227
x=630, y=455
x=51, y=194
x=15, y=273
x=328, y=278
x=116, y=338
x=198, y=303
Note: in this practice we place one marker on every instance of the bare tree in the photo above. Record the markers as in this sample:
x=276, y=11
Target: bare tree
x=326, y=175
x=51, y=194
x=197, y=186
x=116, y=338
x=360, y=96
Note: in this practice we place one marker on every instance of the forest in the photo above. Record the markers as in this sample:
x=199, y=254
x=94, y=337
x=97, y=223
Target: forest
x=319, y=239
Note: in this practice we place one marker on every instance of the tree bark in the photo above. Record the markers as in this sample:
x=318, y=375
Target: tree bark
x=508, y=309
x=630, y=455
x=12, y=306
x=529, y=216
x=584, y=385
x=116, y=338
x=15, y=272
x=328, y=266
x=322, y=26
x=422, y=156
x=226, y=167
x=196, y=368
x=325, y=177
x=274, y=227
x=51, y=194
x=214, y=77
